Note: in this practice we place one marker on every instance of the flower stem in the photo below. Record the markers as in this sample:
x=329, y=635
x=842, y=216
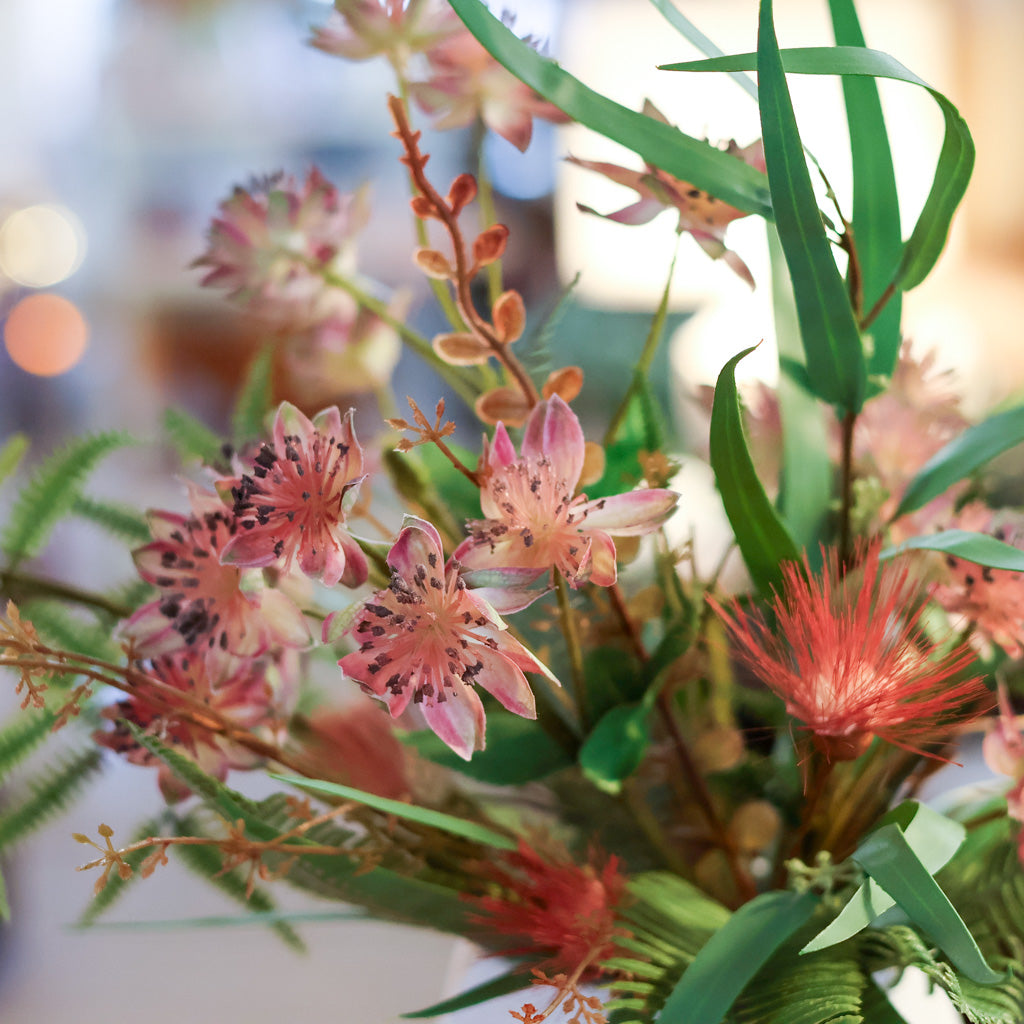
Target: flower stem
x=573, y=647
x=22, y=587
x=488, y=213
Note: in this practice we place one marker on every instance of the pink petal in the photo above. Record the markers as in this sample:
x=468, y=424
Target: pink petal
x=620, y=175
x=357, y=569
x=458, y=721
x=503, y=451
x=291, y=420
x=152, y=631
x=285, y=620
x=506, y=682
x=250, y=549
x=506, y=590
x=417, y=542
x=554, y=432
x=642, y=212
x=630, y=515
x=602, y=569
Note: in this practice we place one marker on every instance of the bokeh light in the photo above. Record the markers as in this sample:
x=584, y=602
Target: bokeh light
x=41, y=245
x=45, y=334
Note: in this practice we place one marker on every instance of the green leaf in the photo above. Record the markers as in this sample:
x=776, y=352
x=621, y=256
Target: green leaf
x=972, y=547
x=956, y=160
x=51, y=791
x=121, y=521
x=933, y=837
x=876, y=209
x=831, y=340
x=889, y=859
x=253, y=402
x=689, y=31
x=535, y=349
x=734, y=954
x=471, y=830
x=51, y=492
x=690, y=159
x=763, y=539
x=191, y=438
x=962, y=456
x=517, y=752
x=616, y=746
x=11, y=454
x=5, y=906
x=514, y=981
x=805, y=478
x=259, y=917
x=21, y=736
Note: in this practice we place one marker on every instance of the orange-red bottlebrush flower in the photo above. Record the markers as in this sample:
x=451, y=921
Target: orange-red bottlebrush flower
x=847, y=657
x=564, y=911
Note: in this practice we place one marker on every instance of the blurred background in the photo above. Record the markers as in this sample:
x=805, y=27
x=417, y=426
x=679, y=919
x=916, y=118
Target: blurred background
x=124, y=122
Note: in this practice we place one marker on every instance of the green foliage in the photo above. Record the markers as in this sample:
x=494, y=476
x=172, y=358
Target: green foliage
x=5, y=906
x=11, y=454
x=50, y=791
x=513, y=981
x=762, y=538
x=460, y=495
x=831, y=339
x=691, y=159
x=121, y=521
x=979, y=548
x=51, y=492
x=617, y=745
x=535, y=348
x=21, y=736
x=254, y=399
x=191, y=438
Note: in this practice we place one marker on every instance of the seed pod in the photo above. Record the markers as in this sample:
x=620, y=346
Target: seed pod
x=509, y=315
x=462, y=349
x=422, y=207
x=566, y=383
x=433, y=264
x=490, y=244
x=462, y=192
x=508, y=405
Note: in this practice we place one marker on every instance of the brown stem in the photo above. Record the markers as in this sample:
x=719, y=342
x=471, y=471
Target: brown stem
x=877, y=308
x=629, y=626
x=472, y=477
x=22, y=586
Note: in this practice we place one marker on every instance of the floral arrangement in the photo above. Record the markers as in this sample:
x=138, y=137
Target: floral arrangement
x=494, y=693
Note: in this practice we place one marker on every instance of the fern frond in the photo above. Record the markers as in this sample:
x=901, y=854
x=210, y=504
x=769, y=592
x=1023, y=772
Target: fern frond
x=121, y=521
x=206, y=861
x=11, y=454
x=21, y=736
x=50, y=793
x=61, y=628
x=535, y=349
x=191, y=438
x=51, y=492
x=254, y=399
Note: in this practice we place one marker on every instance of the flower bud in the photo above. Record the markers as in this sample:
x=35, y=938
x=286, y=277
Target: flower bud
x=509, y=315
x=566, y=383
x=462, y=349
x=490, y=244
x=508, y=405
x=433, y=264
x=462, y=192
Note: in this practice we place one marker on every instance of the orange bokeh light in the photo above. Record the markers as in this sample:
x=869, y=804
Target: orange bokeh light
x=45, y=334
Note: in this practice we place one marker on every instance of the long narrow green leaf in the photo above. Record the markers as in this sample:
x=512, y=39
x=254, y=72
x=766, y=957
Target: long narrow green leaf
x=876, y=209
x=514, y=981
x=191, y=438
x=5, y=906
x=734, y=954
x=763, y=539
x=979, y=548
x=888, y=858
x=11, y=454
x=805, y=478
x=962, y=456
x=422, y=815
x=933, y=837
x=831, y=340
x=681, y=155
x=956, y=160
x=688, y=30
x=254, y=399
x=52, y=491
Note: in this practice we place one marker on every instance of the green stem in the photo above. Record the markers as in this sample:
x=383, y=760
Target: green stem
x=573, y=647
x=22, y=587
x=488, y=212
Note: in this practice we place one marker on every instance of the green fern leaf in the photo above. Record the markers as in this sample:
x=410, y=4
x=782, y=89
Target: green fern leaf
x=535, y=349
x=50, y=793
x=191, y=438
x=207, y=862
x=21, y=737
x=254, y=400
x=59, y=627
x=51, y=492
x=11, y=454
x=122, y=521
x=116, y=885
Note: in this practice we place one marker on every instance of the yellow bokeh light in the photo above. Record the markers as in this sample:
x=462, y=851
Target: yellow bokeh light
x=45, y=334
x=41, y=245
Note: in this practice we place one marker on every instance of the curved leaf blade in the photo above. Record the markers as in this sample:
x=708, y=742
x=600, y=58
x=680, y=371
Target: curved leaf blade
x=962, y=456
x=876, y=207
x=889, y=859
x=690, y=159
x=979, y=548
x=763, y=539
x=615, y=748
x=831, y=340
x=956, y=159
x=733, y=955
x=513, y=981
x=422, y=815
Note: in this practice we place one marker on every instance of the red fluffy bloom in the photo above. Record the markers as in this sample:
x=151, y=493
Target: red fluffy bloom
x=563, y=910
x=850, y=663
